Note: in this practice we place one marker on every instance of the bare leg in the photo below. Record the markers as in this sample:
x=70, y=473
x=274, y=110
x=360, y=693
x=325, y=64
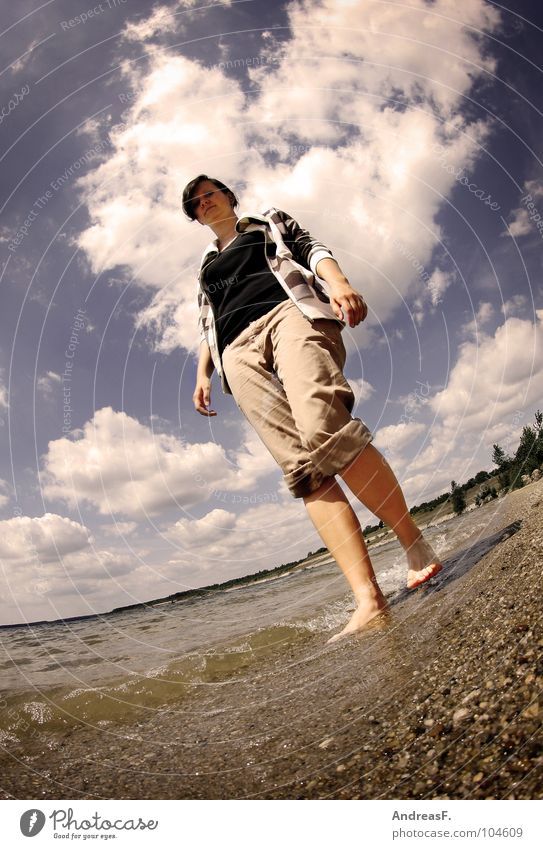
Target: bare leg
x=371, y=479
x=340, y=530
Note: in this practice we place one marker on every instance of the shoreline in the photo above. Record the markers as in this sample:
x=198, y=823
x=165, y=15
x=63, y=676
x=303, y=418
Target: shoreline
x=444, y=703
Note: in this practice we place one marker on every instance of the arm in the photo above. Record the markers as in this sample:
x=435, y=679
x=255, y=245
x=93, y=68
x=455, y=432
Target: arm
x=202, y=391
x=347, y=303
x=305, y=249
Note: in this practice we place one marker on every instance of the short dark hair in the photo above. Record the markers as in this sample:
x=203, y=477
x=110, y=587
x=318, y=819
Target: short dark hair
x=189, y=193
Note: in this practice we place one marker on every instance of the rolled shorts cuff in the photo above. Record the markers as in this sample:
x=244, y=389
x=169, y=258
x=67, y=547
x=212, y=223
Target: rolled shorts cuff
x=341, y=448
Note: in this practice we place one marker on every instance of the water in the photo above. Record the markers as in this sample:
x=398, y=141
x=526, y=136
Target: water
x=107, y=670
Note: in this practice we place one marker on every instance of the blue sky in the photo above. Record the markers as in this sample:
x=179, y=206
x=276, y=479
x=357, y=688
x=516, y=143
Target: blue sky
x=405, y=137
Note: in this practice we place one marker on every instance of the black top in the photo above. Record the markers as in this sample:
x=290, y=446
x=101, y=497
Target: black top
x=240, y=285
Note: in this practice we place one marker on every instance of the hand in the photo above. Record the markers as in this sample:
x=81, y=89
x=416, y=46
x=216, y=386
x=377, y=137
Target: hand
x=202, y=396
x=347, y=303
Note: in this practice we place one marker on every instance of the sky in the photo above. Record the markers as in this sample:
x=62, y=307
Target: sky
x=406, y=136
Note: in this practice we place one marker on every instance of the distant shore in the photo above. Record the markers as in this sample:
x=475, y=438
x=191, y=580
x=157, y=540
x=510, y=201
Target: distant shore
x=445, y=703
x=378, y=538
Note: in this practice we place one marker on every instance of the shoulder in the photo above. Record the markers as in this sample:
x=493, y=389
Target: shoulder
x=280, y=218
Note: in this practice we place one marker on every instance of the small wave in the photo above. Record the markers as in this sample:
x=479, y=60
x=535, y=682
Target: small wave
x=136, y=696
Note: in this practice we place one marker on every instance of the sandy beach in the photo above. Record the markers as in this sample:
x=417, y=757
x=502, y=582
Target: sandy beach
x=444, y=703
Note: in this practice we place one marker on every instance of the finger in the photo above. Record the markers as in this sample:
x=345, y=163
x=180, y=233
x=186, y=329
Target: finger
x=204, y=412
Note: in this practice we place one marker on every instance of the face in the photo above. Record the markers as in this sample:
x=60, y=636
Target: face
x=210, y=204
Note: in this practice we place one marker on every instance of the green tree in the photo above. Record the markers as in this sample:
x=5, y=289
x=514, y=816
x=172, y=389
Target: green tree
x=504, y=464
x=457, y=498
x=499, y=457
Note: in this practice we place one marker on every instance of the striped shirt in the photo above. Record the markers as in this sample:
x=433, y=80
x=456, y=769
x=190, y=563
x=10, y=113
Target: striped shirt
x=293, y=261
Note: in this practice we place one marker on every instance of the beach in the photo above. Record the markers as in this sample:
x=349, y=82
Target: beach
x=442, y=703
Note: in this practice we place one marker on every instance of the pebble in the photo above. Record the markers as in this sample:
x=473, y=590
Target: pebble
x=460, y=714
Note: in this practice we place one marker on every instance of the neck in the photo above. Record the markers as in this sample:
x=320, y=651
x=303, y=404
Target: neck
x=225, y=230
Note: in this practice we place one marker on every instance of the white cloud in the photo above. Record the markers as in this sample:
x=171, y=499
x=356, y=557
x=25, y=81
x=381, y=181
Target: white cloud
x=50, y=568
x=118, y=465
x=515, y=306
x=118, y=529
x=520, y=225
x=160, y=21
x=3, y=394
x=417, y=51
x=438, y=284
x=394, y=438
x=363, y=390
x=357, y=168
x=226, y=544
x=5, y=491
x=430, y=294
x=504, y=372
x=484, y=314
x=493, y=384
x=523, y=221
x=164, y=20
x=46, y=537
x=48, y=382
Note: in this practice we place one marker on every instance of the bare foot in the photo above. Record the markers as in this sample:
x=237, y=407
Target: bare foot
x=422, y=563
x=371, y=612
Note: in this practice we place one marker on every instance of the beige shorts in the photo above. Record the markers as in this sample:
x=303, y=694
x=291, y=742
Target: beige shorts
x=286, y=376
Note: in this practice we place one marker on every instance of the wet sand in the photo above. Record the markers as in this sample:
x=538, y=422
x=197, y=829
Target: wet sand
x=444, y=703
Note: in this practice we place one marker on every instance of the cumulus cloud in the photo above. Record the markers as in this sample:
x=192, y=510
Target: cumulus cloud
x=48, y=382
x=431, y=294
x=52, y=568
x=5, y=491
x=494, y=381
x=232, y=544
x=118, y=529
x=520, y=225
x=394, y=438
x=164, y=19
x=526, y=218
x=3, y=393
x=340, y=149
x=118, y=465
x=515, y=306
x=363, y=390
x=485, y=312
x=46, y=537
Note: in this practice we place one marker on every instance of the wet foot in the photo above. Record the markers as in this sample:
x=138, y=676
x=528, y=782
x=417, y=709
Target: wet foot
x=422, y=563
x=372, y=612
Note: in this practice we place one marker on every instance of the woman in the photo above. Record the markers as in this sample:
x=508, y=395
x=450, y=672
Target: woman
x=273, y=332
